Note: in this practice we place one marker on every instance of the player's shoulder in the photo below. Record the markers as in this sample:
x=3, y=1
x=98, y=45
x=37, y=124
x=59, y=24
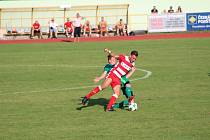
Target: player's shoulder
x=108, y=66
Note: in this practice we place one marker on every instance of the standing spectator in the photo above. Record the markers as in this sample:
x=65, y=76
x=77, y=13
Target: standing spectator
x=87, y=29
x=179, y=10
x=154, y=10
x=69, y=29
x=103, y=27
x=77, y=27
x=53, y=27
x=36, y=29
x=120, y=26
x=171, y=10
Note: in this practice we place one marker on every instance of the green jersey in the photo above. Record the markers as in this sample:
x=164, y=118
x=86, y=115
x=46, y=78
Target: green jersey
x=108, y=67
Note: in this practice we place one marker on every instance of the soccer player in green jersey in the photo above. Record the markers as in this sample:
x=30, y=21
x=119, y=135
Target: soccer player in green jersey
x=125, y=83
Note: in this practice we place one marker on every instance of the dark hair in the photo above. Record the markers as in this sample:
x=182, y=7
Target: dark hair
x=135, y=53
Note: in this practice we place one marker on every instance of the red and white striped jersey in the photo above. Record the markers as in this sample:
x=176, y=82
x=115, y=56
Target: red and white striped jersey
x=123, y=66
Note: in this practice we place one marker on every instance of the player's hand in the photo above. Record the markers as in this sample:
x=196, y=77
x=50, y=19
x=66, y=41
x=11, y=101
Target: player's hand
x=133, y=68
x=96, y=80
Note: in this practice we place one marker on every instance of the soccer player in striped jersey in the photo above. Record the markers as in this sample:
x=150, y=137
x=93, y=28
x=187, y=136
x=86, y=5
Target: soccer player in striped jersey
x=123, y=67
x=125, y=83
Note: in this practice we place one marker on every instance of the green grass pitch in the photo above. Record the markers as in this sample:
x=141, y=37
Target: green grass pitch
x=41, y=86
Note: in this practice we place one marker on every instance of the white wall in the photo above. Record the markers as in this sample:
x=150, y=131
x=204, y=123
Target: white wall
x=136, y=6
x=138, y=9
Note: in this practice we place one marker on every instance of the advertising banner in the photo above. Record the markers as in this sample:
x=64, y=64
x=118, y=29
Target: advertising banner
x=167, y=22
x=198, y=21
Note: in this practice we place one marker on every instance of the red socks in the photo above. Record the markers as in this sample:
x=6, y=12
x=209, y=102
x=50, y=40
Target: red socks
x=94, y=91
x=131, y=100
x=111, y=101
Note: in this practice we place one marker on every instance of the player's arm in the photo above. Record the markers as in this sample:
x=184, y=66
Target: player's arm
x=133, y=69
x=103, y=75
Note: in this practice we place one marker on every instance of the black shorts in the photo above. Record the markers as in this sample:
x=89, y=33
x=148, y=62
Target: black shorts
x=36, y=31
x=77, y=31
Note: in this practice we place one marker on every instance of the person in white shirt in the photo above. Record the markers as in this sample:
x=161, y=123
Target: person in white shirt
x=77, y=27
x=53, y=28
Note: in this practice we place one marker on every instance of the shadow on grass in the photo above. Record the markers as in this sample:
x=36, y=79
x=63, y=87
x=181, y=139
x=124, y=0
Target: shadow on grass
x=92, y=102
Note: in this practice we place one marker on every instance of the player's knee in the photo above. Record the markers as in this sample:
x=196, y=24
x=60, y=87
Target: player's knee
x=115, y=95
x=103, y=86
x=100, y=88
x=128, y=85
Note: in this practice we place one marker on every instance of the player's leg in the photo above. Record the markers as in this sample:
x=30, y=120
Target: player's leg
x=124, y=102
x=128, y=92
x=96, y=90
x=114, y=97
x=121, y=105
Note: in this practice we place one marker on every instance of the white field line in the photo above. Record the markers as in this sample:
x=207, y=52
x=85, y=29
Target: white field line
x=148, y=73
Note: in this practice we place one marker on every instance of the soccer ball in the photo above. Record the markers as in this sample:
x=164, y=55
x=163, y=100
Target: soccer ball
x=133, y=107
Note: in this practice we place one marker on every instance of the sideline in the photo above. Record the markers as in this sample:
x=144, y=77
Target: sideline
x=154, y=36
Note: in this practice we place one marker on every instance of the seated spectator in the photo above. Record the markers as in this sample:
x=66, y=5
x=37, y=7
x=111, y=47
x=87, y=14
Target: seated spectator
x=179, y=10
x=53, y=28
x=171, y=10
x=103, y=27
x=36, y=29
x=120, y=26
x=154, y=10
x=164, y=11
x=96, y=30
x=14, y=30
x=69, y=28
x=87, y=29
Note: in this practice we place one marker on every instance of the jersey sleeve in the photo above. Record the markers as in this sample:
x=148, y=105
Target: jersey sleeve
x=106, y=69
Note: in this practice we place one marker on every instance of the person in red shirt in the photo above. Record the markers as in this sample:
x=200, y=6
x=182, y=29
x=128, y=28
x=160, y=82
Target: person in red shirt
x=69, y=29
x=124, y=66
x=36, y=29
